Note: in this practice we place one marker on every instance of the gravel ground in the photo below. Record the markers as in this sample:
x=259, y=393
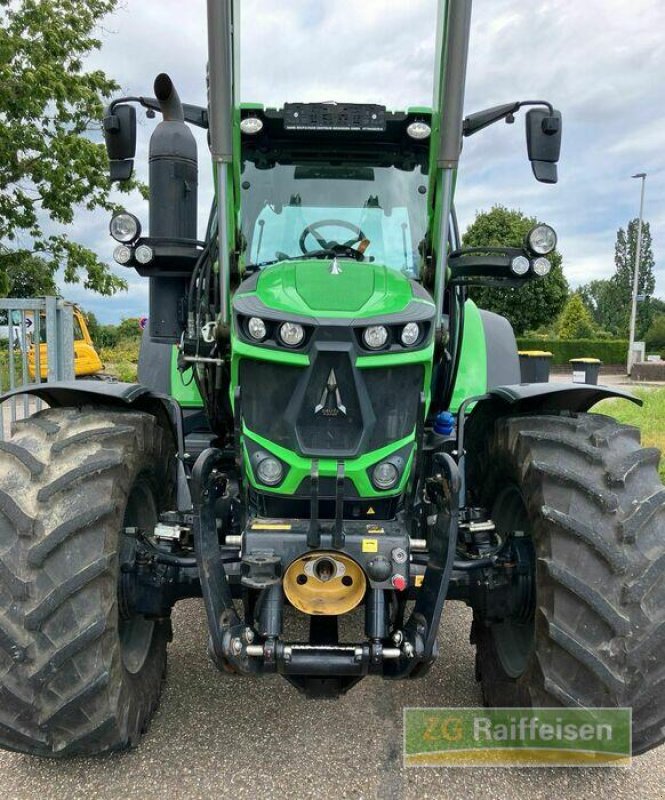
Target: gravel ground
x=219, y=736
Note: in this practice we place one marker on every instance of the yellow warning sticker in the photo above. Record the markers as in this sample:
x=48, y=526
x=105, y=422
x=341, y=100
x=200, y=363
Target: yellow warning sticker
x=370, y=512
x=370, y=545
x=271, y=526
x=418, y=581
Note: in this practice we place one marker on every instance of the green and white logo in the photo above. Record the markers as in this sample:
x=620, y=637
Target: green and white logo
x=509, y=737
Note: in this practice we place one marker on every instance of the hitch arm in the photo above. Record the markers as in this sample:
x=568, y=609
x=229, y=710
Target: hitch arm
x=207, y=485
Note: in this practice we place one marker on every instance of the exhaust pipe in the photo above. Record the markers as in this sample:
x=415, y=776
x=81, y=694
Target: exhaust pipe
x=173, y=169
x=169, y=100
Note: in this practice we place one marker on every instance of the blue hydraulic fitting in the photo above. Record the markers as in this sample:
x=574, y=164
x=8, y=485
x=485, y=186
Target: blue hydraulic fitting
x=444, y=424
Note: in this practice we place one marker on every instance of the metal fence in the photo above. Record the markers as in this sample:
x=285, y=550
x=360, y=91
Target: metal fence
x=36, y=345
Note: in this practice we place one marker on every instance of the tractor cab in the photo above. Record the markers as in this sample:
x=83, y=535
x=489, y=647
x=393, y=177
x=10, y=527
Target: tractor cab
x=329, y=180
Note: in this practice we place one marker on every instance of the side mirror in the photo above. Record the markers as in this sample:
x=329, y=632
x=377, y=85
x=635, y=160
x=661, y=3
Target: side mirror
x=543, y=142
x=120, y=137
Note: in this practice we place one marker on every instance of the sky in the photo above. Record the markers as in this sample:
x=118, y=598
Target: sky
x=601, y=62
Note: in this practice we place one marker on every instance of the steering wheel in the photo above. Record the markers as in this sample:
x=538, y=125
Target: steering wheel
x=312, y=230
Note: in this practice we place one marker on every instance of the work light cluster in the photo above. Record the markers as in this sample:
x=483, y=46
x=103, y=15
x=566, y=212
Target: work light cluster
x=540, y=241
x=126, y=229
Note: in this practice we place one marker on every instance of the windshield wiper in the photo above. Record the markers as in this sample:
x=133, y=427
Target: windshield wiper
x=340, y=251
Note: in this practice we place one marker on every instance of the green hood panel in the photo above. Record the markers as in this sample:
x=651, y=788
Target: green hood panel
x=355, y=289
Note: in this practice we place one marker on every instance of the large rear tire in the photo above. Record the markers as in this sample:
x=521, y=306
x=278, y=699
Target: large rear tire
x=592, y=506
x=77, y=675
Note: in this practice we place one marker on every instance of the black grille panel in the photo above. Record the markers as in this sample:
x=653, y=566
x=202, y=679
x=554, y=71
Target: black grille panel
x=367, y=408
x=395, y=396
x=266, y=390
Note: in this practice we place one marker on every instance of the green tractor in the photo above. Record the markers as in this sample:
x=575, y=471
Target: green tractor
x=328, y=439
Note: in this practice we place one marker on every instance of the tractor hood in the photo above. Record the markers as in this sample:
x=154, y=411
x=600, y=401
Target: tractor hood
x=334, y=288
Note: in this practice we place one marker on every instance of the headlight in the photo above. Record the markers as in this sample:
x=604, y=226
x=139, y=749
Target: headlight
x=257, y=328
x=385, y=475
x=291, y=334
x=144, y=254
x=410, y=334
x=542, y=266
x=269, y=471
x=125, y=227
x=122, y=254
x=251, y=125
x=541, y=240
x=418, y=130
x=375, y=337
x=520, y=265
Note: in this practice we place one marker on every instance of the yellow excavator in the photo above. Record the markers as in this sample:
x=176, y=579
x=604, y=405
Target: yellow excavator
x=87, y=362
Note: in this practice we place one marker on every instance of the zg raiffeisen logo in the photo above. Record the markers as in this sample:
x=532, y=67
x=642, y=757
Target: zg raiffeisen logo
x=511, y=737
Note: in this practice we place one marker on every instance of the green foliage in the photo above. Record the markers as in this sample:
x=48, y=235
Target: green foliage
x=49, y=106
x=600, y=297
x=655, y=338
x=106, y=336
x=609, y=300
x=29, y=276
x=624, y=260
x=539, y=301
x=129, y=329
x=93, y=324
x=121, y=360
x=609, y=351
x=575, y=321
x=126, y=334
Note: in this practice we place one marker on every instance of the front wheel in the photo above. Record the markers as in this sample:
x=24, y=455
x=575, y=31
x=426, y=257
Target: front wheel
x=79, y=672
x=584, y=506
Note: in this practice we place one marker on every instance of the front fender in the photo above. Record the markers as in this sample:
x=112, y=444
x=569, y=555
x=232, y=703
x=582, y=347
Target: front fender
x=526, y=398
x=107, y=393
x=575, y=397
x=121, y=395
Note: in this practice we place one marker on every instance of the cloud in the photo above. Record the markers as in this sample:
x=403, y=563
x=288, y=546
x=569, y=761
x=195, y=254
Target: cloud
x=600, y=61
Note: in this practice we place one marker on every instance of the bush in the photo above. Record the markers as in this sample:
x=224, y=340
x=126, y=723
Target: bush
x=655, y=338
x=575, y=321
x=121, y=361
x=609, y=351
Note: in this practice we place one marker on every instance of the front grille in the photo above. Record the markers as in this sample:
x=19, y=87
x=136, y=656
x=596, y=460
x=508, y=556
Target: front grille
x=330, y=408
x=266, y=390
x=330, y=419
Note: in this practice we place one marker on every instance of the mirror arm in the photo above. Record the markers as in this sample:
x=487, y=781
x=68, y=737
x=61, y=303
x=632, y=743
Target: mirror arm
x=195, y=115
x=483, y=119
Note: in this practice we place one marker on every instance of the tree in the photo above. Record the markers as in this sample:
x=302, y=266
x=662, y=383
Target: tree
x=129, y=328
x=29, y=276
x=624, y=260
x=49, y=104
x=600, y=297
x=575, y=321
x=655, y=338
x=93, y=324
x=540, y=300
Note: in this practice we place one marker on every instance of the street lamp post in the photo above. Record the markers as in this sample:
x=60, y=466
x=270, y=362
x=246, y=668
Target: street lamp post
x=636, y=276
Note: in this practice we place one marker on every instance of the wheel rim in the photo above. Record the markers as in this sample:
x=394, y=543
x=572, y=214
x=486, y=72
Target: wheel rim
x=514, y=637
x=136, y=632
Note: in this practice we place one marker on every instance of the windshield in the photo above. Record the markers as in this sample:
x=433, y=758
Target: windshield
x=291, y=210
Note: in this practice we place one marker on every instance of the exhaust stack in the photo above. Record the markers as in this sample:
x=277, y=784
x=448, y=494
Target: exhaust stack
x=173, y=169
